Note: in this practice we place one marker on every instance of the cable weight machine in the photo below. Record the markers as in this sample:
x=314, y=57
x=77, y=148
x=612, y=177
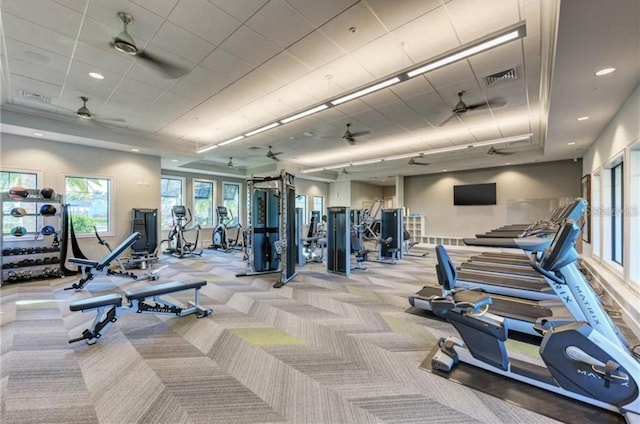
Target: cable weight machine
x=270, y=246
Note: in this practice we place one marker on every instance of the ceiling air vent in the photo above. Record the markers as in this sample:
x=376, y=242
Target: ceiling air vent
x=34, y=96
x=506, y=75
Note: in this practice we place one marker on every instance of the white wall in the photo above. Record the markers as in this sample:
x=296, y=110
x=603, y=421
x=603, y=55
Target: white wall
x=136, y=178
x=363, y=193
x=339, y=194
x=432, y=195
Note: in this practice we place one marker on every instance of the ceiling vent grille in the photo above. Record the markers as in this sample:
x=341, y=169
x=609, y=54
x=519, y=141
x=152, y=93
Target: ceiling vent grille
x=502, y=76
x=34, y=96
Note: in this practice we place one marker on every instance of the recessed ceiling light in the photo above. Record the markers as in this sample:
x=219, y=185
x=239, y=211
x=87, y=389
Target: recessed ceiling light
x=605, y=71
x=174, y=160
x=96, y=75
x=571, y=143
x=444, y=170
x=38, y=134
x=582, y=118
x=135, y=150
x=507, y=163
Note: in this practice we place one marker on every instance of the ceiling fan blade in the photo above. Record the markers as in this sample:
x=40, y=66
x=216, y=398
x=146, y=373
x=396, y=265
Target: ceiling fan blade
x=498, y=152
x=449, y=118
x=359, y=133
x=168, y=69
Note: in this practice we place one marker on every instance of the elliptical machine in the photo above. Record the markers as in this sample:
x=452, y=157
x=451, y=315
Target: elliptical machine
x=588, y=361
x=220, y=237
x=178, y=244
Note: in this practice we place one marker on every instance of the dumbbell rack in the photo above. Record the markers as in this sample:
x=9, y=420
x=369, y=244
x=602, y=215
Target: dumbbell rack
x=32, y=256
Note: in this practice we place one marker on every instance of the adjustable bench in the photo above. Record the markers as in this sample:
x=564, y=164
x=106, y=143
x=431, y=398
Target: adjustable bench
x=90, y=268
x=137, y=304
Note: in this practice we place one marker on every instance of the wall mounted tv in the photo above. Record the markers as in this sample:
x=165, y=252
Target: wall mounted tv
x=474, y=194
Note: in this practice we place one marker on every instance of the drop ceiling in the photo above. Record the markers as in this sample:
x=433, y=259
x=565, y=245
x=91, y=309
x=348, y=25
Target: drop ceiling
x=250, y=63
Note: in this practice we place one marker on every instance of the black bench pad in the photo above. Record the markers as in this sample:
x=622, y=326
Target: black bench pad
x=96, y=302
x=85, y=262
x=175, y=286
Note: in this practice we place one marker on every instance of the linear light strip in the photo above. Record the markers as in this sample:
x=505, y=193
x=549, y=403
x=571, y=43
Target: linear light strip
x=367, y=90
x=486, y=45
x=425, y=153
x=231, y=140
x=262, y=129
x=303, y=114
x=207, y=148
x=471, y=50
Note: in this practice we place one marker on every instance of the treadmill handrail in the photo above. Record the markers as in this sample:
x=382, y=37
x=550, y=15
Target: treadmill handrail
x=533, y=260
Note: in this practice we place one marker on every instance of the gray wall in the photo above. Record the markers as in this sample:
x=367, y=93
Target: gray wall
x=518, y=188
x=136, y=178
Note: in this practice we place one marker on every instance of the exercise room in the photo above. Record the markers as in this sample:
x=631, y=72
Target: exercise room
x=323, y=212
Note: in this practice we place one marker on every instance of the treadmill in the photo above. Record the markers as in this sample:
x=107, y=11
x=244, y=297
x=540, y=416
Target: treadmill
x=521, y=315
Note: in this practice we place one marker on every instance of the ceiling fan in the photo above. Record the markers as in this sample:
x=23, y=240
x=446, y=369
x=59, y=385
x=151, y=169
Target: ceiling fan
x=272, y=155
x=351, y=136
x=493, y=151
x=412, y=161
x=461, y=107
x=124, y=43
x=84, y=112
x=230, y=163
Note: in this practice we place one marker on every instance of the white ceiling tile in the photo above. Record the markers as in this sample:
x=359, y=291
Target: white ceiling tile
x=380, y=98
x=159, y=7
x=367, y=28
x=148, y=74
x=319, y=12
x=79, y=71
x=190, y=90
x=241, y=10
x=35, y=86
x=285, y=67
x=394, y=14
x=176, y=40
x=204, y=19
x=294, y=98
x=260, y=82
x=316, y=49
x=427, y=36
x=88, y=88
x=39, y=57
x=250, y=46
x=36, y=35
x=345, y=72
x=472, y=19
x=208, y=81
x=52, y=15
x=226, y=64
x=140, y=89
x=109, y=60
x=498, y=59
x=458, y=72
x=268, y=23
x=36, y=72
x=395, y=59
x=128, y=103
x=411, y=87
x=402, y=115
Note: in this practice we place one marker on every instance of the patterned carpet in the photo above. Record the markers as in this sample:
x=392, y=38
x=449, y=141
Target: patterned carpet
x=322, y=349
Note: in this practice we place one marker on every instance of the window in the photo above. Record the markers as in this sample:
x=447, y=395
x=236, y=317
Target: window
x=89, y=200
x=203, y=207
x=634, y=215
x=170, y=196
x=231, y=198
x=318, y=204
x=301, y=202
x=596, y=215
x=617, y=215
x=10, y=179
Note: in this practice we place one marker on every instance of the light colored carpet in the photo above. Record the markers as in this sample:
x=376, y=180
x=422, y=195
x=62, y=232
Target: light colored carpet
x=322, y=349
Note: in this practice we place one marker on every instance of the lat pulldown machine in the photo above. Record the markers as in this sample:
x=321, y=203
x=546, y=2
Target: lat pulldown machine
x=270, y=246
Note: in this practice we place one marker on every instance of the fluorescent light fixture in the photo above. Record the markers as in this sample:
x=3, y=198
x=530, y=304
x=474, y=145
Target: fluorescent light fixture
x=231, y=140
x=38, y=134
x=303, y=114
x=367, y=90
x=470, y=51
x=96, y=75
x=174, y=160
x=259, y=130
x=304, y=171
x=571, y=143
x=207, y=148
x=582, y=118
x=135, y=150
x=605, y=71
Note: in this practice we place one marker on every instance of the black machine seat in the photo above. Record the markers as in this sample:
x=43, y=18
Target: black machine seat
x=160, y=289
x=85, y=262
x=96, y=302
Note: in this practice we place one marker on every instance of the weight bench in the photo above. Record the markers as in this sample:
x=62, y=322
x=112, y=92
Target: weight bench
x=137, y=299
x=90, y=268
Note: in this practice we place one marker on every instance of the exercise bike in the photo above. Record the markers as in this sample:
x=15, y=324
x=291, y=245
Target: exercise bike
x=588, y=361
x=179, y=246
x=220, y=237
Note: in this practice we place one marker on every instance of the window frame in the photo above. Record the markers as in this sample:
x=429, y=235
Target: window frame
x=169, y=224
x=305, y=218
x=237, y=214
x=111, y=221
x=617, y=213
x=33, y=222
x=194, y=202
x=321, y=205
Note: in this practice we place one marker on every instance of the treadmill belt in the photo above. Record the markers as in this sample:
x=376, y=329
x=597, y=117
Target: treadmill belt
x=497, y=268
x=519, y=283
x=503, y=261
x=529, y=397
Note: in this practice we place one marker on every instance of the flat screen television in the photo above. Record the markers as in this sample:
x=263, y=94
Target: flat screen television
x=474, y=194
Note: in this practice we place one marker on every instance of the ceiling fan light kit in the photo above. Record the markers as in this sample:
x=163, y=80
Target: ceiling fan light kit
x=84, y=112
x=124, y=42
